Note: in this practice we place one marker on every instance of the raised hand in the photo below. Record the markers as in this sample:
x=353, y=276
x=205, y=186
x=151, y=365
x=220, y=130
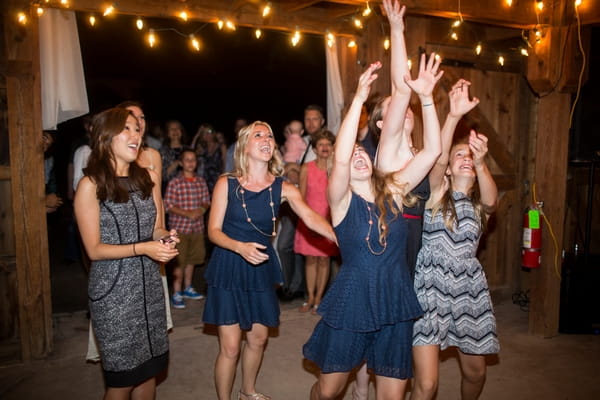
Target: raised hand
x=478, y=145
x=395, y=14
x=365, y=80
x=459, y=99
x=429, y=75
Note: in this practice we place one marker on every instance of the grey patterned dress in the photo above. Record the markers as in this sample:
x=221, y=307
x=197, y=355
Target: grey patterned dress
x=451, y=286
x=126, y=300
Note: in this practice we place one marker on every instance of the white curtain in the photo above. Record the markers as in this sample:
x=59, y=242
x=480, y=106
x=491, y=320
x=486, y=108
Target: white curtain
x=64, y=95
x=335, y=95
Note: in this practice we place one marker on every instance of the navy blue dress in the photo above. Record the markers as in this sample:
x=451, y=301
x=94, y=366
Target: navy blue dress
x=368, y=312
x=237, y=291
x=414, y=218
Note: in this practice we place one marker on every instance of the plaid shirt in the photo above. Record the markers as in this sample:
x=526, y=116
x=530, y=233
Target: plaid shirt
x=187, y=195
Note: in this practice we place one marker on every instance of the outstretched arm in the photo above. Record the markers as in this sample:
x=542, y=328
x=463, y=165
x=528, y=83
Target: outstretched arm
x=338, y=189
x=420, y=165
x=487, y=185
x=460, y=104
x=393, y=149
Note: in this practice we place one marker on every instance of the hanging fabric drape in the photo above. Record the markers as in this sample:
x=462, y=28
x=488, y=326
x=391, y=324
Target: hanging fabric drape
x=64, y=95
x=335, y=94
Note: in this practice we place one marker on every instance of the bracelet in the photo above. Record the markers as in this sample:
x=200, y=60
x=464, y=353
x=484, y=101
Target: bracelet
x=426, y=105
x=134, y=252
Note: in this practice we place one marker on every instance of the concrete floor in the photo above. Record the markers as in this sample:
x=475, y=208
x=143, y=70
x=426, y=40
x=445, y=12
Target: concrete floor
x=564, y=367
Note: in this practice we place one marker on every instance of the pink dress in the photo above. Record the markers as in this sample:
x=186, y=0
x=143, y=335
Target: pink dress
x=308, y=242
x=295, y=147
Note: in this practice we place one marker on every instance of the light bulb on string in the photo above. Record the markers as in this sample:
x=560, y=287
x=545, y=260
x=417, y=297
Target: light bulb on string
x=295, y=38
x=22, y=18
x=152, y=39
x=358, y=23
x=194, y=43
x=109, y=10
x=409, y=62
x=454, y=36
x=352, y=44
x=501, y=61
x=330, y=40
x=64, y=3
x=367, y=11
x=39, y=11
x=577, y=3
x=539, y=5
x=220, y=24
x=139, y=23
x=92, y=20
x=258, y=33
x=438, y=57
x=386, y=44
x=266, y=10
x=478, y=49
x=524, y=52
x=183, y=15
x=509, y=3
x=230, y=25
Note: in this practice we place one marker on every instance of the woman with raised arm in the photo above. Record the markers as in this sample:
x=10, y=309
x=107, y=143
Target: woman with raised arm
x=244, y=269
x=116, y=207
x=449, y=280
x=368, y=312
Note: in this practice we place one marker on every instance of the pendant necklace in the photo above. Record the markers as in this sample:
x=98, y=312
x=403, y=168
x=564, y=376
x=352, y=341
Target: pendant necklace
x=379, y=229
x=249, y=220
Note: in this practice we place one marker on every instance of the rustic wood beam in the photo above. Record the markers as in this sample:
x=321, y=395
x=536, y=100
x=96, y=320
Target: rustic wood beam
x=27, y=184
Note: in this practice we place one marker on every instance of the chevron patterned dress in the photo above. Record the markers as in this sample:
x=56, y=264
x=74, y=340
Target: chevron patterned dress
x=451, y=285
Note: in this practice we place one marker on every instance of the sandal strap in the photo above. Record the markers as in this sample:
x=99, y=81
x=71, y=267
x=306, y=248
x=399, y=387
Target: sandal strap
x=253, y=396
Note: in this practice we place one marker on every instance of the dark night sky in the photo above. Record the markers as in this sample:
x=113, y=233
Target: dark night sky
x=233, y=75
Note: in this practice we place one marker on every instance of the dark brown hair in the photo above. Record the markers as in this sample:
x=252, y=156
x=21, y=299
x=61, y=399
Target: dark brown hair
x=100, y=168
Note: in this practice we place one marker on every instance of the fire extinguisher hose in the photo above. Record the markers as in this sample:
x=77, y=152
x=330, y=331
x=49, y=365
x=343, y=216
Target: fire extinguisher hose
x=556, y=249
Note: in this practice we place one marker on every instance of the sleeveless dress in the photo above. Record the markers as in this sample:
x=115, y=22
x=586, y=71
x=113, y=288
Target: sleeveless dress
x=126, y=301
x=307, y=242
x=368, y=311
x=452, y=287
x=237, y=291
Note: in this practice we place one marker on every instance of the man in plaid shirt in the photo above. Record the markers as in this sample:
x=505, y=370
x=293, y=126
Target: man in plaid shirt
x=186, y=200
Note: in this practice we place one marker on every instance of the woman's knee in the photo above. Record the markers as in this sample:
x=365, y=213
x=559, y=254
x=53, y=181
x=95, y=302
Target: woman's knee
x=475, y=375
x=230, y=350
x=426, y=384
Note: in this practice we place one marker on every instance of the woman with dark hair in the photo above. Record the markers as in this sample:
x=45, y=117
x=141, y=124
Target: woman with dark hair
x=116, y=207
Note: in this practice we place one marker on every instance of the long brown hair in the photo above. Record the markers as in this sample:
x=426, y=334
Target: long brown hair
x=101, y=163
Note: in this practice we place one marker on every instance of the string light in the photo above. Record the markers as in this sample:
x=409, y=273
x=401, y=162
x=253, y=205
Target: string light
x=92, y=20
x=183, y=15
x=524, y=52
x=330, y=39
x=409, y=62
x=509, y=3
x=478, y=49
x=230, y=25
x=367, y=11
x=295, y=38
x=358, y=23
x=151, y=38
x=139, y=23
x=386, y=43
x=454, y=35
x=501, y=61
x=64, y=3
x=220, y=24
x=194, y=43
x=539, y=4
x=438, y=57
x=39, y=11
x=258, y=33
x=108, y=10
x=456, y=23
x=352, y=43
x=577, y=3
x=22, y=18
x=266, y=10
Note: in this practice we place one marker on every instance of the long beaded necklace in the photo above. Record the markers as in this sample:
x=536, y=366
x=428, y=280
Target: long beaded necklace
x=249, y=220
x=379, y=229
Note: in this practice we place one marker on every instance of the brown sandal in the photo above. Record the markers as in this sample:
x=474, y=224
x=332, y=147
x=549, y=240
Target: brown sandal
x=305, y=307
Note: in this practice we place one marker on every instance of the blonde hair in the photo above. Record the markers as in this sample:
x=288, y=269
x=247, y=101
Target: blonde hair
x=241, y=160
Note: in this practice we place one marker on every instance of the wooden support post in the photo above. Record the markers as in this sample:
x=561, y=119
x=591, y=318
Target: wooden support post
x=550, y=178
x=27, y=182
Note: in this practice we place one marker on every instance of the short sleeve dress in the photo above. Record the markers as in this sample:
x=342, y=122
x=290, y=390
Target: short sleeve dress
x=126, y=300
x=451, y=285
x=237, y=291
x=306, y=241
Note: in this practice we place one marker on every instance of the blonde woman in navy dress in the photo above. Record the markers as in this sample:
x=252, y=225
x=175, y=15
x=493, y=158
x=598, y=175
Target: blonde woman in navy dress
x=244, y=269
x=369, y=311
x=449, y=280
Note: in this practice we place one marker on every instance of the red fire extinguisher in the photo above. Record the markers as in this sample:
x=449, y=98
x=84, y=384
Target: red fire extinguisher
x=531, y=252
